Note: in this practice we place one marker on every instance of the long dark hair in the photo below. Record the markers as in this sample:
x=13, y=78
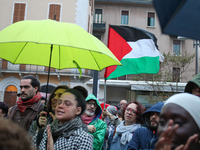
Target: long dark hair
x=49, y=109
x=140, y=111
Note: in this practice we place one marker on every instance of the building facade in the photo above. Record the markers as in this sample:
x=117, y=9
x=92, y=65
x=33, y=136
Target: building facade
x=141, y=14
x=77, y=11
x=94, y=16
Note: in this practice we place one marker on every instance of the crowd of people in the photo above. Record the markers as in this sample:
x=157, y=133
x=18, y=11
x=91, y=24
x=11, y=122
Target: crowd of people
x=75, y=120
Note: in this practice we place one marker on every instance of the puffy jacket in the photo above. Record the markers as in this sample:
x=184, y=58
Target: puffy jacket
x=99, y=125
x=192, y=83
x=144, y=138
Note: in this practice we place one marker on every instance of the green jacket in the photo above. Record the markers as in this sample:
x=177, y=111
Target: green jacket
x=192, y=83
x=100, y=125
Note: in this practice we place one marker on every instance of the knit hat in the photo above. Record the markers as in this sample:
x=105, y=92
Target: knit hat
x=112, y=110
x=189, y=102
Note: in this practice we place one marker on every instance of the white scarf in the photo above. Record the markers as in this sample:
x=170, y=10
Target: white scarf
x=126, y=131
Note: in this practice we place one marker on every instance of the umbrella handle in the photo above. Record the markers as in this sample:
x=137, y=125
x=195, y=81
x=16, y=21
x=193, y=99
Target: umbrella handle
x=48, y=73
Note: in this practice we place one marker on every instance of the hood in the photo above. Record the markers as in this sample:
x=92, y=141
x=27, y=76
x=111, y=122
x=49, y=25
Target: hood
x=155, y=108
x=98, y=110
x=191, y=83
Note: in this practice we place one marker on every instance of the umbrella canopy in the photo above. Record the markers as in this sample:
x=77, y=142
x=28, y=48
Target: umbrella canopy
x=179, y=17
x=31, y=42
x=54, y=44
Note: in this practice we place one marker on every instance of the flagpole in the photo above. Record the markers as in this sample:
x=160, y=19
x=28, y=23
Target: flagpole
x=104, y=94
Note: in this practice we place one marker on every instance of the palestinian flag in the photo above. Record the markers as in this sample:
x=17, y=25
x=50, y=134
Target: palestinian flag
x=135, y=48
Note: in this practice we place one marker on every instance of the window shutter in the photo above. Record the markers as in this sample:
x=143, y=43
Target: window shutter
x=4, y=64
x=51, y=12
x=54, y=10
x=22, y=67
x=19, y=12
x=51, y=69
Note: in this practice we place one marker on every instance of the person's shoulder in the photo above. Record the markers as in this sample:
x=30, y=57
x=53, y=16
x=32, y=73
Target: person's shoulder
x=83, y=134
x=141, y=130
x=12, y=110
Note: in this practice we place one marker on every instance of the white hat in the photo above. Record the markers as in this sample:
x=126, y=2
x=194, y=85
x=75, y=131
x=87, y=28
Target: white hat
x=190, y=102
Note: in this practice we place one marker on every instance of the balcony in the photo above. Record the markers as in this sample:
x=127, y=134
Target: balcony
x=99, y=27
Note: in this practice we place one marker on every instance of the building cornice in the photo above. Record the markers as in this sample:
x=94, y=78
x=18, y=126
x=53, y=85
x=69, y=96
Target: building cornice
x=135, y=2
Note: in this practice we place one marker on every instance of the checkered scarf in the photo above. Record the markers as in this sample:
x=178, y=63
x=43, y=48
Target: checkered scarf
x=22, y=105
x=66, y=129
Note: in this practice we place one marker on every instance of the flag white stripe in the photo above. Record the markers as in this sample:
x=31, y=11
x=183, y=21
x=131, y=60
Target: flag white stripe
x=142, y=48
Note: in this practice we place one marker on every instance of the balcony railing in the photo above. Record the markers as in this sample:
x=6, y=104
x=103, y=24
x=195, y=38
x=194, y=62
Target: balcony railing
x=33, y=69
x=99, y=27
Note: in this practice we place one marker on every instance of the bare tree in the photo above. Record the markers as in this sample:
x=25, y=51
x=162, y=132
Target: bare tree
x=172, y=70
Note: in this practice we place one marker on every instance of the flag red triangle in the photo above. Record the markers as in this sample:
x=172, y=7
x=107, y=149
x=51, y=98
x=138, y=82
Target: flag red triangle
x=118, y=46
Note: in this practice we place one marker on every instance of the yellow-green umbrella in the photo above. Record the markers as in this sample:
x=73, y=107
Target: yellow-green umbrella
x=54, y=44
x=29, y=42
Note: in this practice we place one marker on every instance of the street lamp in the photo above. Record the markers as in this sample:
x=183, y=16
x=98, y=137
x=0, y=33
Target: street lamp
x=195, y=45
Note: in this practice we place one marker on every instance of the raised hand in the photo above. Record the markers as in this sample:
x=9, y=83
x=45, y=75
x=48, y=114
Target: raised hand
x=91, y=128
x=42, y=119
x=165, y=139
x=191, y=143
x=50, y=144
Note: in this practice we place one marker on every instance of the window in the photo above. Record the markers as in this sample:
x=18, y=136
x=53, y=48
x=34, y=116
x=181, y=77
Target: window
x=124, y=17
x=98, y=16
x=176, y=74
x=54, y=12
x=151, y=19
x=19, y=12
x=176, y=47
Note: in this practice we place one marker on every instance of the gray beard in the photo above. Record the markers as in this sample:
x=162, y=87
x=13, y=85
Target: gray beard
x=88, y=113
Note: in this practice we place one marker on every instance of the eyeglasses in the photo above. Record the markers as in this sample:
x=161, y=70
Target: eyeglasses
x=66, y=102
x=91, y=103
x=131, y=110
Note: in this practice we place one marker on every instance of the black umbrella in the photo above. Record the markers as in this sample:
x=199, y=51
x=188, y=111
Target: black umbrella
x=179, y=17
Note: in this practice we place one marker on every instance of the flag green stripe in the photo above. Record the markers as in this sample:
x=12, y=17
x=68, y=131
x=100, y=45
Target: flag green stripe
x=148, y=65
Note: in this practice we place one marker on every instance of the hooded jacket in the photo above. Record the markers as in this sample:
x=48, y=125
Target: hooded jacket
x=144, y=138
x=100, y=125
x=192, y=83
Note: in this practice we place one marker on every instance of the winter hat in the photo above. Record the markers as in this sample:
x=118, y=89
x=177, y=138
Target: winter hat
x=189, y=102
x=112, y=110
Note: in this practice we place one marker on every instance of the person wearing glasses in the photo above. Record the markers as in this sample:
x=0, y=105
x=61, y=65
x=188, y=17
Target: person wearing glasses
x=44, y=117
x=90, y=117
x=66, y=131
x=146, y=137
x=132, y=120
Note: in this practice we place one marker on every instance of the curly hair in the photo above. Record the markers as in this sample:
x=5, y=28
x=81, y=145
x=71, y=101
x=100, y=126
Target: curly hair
x=140, y=111
x=13, y=137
